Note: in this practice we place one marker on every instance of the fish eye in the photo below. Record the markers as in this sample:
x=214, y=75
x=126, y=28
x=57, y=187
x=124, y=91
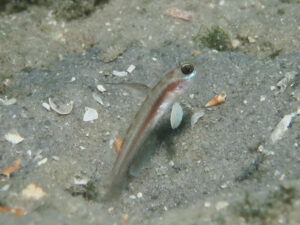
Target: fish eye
x=187, y=69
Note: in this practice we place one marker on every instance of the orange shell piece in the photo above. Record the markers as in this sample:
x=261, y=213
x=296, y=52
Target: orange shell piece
x=220, y=98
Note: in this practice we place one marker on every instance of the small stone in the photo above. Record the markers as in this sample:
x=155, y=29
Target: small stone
x=34, y=192
x=131, y=68
x=133, y=197
x=154, y=59
x=251, y=39
x=207, y=204
x=139, y=195
x=125, y=218
x=221, y=205
x=5, y=187
x=90, y=114
x=171, y=163
x=235, y=43
x=119, y=73
x=110, y=209
x=43, y=161
x=262, y=98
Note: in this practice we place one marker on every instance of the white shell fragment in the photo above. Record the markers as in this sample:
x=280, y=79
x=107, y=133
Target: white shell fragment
x=196, y=116
x=6, y=101
x=101, y=88
x=176, y=115
x=80, y=180
x=46, y=106
x=131, y=68
x=98, y=98
x=42, y=162
x=13, y=137
x=282, y=126
x=62, y=109
x=119, y=73
x=90, y=114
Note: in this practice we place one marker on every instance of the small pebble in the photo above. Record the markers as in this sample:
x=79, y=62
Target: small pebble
x=119, y=73
x=262, y=98
x=207, y=204
x=139, y=195
x=43, y=161
x=221, y=205
x=5, y=187
x=133, y=197
x=110, y=209
x=125, y=218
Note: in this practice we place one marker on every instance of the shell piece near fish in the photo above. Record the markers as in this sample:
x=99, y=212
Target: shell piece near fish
x=196, y=116
x=176, y=115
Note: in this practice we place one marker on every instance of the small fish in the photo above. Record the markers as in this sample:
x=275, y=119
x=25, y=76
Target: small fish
x=161, y=96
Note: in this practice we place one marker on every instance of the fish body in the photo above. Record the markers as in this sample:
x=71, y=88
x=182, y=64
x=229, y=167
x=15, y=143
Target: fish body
x=161, y=96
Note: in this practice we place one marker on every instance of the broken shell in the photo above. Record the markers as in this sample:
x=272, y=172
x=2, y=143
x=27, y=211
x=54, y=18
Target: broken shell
x=118, y=143
x=6, y=101
x=220, y=98
x=34, y=192
x=176, y=115
x=46, y=106
x=11, y=169
x=90, y=114
x=196, y=116
x=101, y=88
x=131, y=68
x=62, y=109
x=97, y=98
x=13, y=137
x=282, y=126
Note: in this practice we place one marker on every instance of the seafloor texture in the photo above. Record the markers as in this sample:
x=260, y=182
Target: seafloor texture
x=239, y=164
